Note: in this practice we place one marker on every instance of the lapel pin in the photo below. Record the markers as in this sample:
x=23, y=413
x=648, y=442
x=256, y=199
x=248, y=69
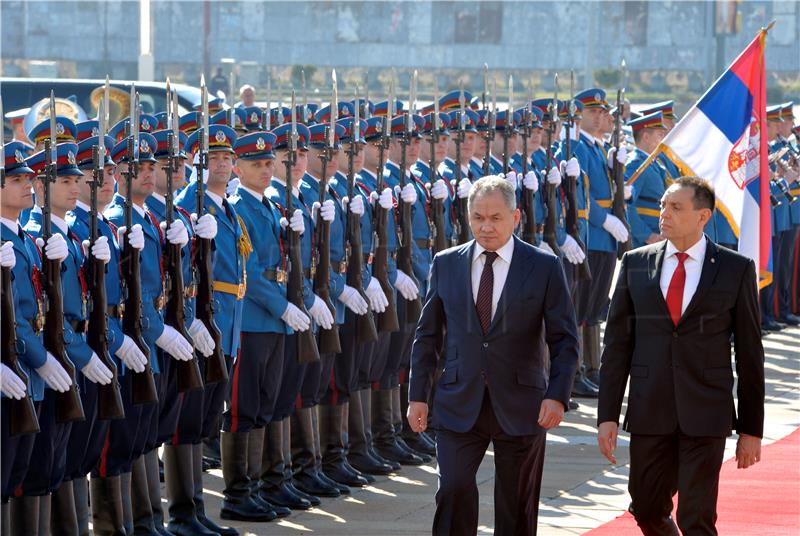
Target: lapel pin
x=713, y=259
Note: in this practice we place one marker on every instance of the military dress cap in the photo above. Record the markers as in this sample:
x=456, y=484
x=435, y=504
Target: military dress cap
x=349, y=129
x=471, y=119
x=593, y=97
x=323, y=115
x=667, y=109
x=189, y=122
x=17, y=115
x=65, y=160
x=483, y=120
x=280, y=115
x=85, y=157
x=444, y=124
x=162, y=118
x=563, y=109
x=536, y=117
x=148, y=123
x=399, y=125
x=787, y=113
x=318, y=135
x=308, y=118
x=214, y=105
x=382, y=108
x=503, y=116
x=451, y=101
x=282, y=136
x=774, y=113
x=87, y=129
x=14, y=158
x=374, y=129
x=543, y=105
x=66, y=131
x=255, y=146
x=252, y=117
x=220, y=139
x=162, y=145
x=654, y=120
x=367, y=107
x=147, y=147
x=223, y=117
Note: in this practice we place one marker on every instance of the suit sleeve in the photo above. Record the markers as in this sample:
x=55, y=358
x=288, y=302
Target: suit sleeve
x=560, y=335
x=618, y=351
x=749, y=355
x=429, y=329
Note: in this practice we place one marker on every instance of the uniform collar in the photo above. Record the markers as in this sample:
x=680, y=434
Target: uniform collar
x=255, y=194
x=83, y=206
x=61, y=224
x=12, y=225
x=160, y=198
x=588, y=136
x=295, y=191
x=214, y=197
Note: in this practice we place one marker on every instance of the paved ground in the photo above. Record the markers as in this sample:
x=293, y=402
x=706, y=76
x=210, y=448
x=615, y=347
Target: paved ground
x=580, y=490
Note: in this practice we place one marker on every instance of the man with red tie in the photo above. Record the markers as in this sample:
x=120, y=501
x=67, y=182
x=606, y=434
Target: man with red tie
x=511, y=352
x=677, y=306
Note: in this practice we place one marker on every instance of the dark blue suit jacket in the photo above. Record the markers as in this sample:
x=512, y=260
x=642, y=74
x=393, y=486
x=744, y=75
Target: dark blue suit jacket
x=529, y=353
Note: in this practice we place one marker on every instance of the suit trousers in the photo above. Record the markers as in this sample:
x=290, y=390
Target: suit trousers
x=518, y=464
x=662, y=465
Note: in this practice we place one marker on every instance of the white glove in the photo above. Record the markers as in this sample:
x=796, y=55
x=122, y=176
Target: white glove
x=174, y=344
x=328, y=210
x=385, y=200
x=622, y=156
x=130, y=354
x=572, y=168
x=56, y=248
x=512, y=178
x=352, y=299
x=544, y=246
x=233, y=184
x=100, y=250
x=205, y=226
x=464, y=187
x=295, y=318
x=10, y=384
x=439, y=190
x=377, y=299
x=617, y=229
x=572, y=251
x=628, y=191
x=177, y=233
x=7, y=257
x=201, y=337
x=531, y=181
x=96, y=372
x=408, y=194
x=296, y=224
x=54, y=375
x=357, y=204
x=406, y=286
x=136, y=237
x=554, y=176
x=320, y=313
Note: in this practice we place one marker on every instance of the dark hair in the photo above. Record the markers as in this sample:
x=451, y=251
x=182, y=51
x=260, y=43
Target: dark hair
x=703, y=191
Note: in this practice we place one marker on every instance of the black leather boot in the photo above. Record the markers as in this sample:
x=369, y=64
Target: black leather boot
x=334, y=462
x=238, y=504
x=317, y=427
x=24, y=512
x=63, y=520
x=152, y=465
x=358, y=452
x=179, y=477
x=126, y=486
x=304, y=460
x=274, y=488
x=255, y=452
x=106, y=499
x=288, y=469
x=199, y=500
x=140, y=499
x=80, y=489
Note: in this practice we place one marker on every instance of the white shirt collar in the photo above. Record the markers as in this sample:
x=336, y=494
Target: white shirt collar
x=697, y=252
x=477, y=160
x=12, y=225
x=60, y=223
x=370, y=174
x=83, y=206
x=160, y=198
x=139, y=209
x=295, y=191
x=588, y=136
x=214, y=197
x=258, y=196
x=505, y=252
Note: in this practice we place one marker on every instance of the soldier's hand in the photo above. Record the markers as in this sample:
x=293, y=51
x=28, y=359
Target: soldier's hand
x=174, y=344
x=176, y=233
x=100, y=249
x=353, y=300
x=572, y=251
x=55, y=249
x=554, y=176
x=439, y=190
x=385, y=200
x=464, y=187
x=531, y=181
x=616, y=228
x=377, y=299
x=130, y=354
x=607, y=439
x=201, y=338
x=328, y=210
x=7, y=257
x=136, y=237
x=572, y=168
x=417, y=416
x=54, y=375
x=11, y=385
x=408, y=194
x=205, y=226
x=96, y=372
x=406, y=286
x=296, y=223
x=295, y=318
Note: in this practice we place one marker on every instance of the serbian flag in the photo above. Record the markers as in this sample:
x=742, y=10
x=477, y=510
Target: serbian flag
x=723, y=139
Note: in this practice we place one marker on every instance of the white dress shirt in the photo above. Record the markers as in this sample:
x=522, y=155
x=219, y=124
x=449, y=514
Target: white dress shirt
x=693, y=266
x=500, y=268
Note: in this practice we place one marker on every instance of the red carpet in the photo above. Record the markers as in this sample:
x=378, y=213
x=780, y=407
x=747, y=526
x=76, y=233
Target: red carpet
x=763, y=499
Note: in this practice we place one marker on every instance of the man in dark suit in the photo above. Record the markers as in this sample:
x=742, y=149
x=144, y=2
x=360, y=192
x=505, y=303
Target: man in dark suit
x=676, y=305
x=504, y=312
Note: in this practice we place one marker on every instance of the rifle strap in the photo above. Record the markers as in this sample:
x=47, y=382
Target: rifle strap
x=154, y=222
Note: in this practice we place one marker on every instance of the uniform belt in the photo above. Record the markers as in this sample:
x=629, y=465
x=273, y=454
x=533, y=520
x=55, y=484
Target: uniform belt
x=116, y=311
x=655, y=213
x=604, y=203
x=583, y=214
x=79, y=326
x=278, y=276
x=423, y=243
x=650, y=199
x=237, y=290
x=795, y=191
x=368, y=259
x=339, y=267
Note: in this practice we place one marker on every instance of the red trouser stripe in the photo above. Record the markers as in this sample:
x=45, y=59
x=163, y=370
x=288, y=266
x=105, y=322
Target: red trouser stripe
x=332, y=387
x=235, y=389
x=104, y=454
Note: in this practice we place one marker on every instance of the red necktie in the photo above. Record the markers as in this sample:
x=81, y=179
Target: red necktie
x=675, y=290
x=485, y=291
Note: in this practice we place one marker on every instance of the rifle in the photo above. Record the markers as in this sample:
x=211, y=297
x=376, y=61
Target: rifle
x=508, y=128
x=365, y=324
x=549, y=234
x=582, y=270
x=404, y=253
x=528, y=197
x=618, y=174
x=461, y=231
x=329, y=342
x=488, y=136
x=216, y=368
x=307, y=351
x=143, y=384
x=436, y=218
x=22, y=414
x=387, y=320
x=109, y=404
x=187, y=372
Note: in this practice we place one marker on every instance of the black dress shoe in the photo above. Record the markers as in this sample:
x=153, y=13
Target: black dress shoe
x=213, y=527
x=573, y=405
x=770, y=325
x=283, y=496
x=245, y=510
x=309, y=482
x=313, y=499
x=790, y=320
x=394, y=452
x=419, y=445
x=339, y=473
x=401, y=441
x=369, y=465
x=374, y=454
x=191, y=527
x=583, y=389
x=343, y=490
x=279, y=511
x=366, y=476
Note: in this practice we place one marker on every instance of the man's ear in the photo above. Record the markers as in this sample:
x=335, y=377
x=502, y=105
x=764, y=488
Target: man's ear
x=705, y=216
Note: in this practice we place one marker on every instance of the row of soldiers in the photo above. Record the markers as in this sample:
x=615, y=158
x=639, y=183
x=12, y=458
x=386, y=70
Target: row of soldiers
x=338, y=199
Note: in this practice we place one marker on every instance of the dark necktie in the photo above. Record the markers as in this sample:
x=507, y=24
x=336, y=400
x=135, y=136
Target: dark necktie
x=227, y=208
x=485, y=291
x=675, y=290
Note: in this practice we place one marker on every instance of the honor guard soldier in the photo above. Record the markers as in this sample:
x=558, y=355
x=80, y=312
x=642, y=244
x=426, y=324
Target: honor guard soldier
x=267, y=317
x=787, y=132
x=479, y=155
x=46, y=377
x=650, y=182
